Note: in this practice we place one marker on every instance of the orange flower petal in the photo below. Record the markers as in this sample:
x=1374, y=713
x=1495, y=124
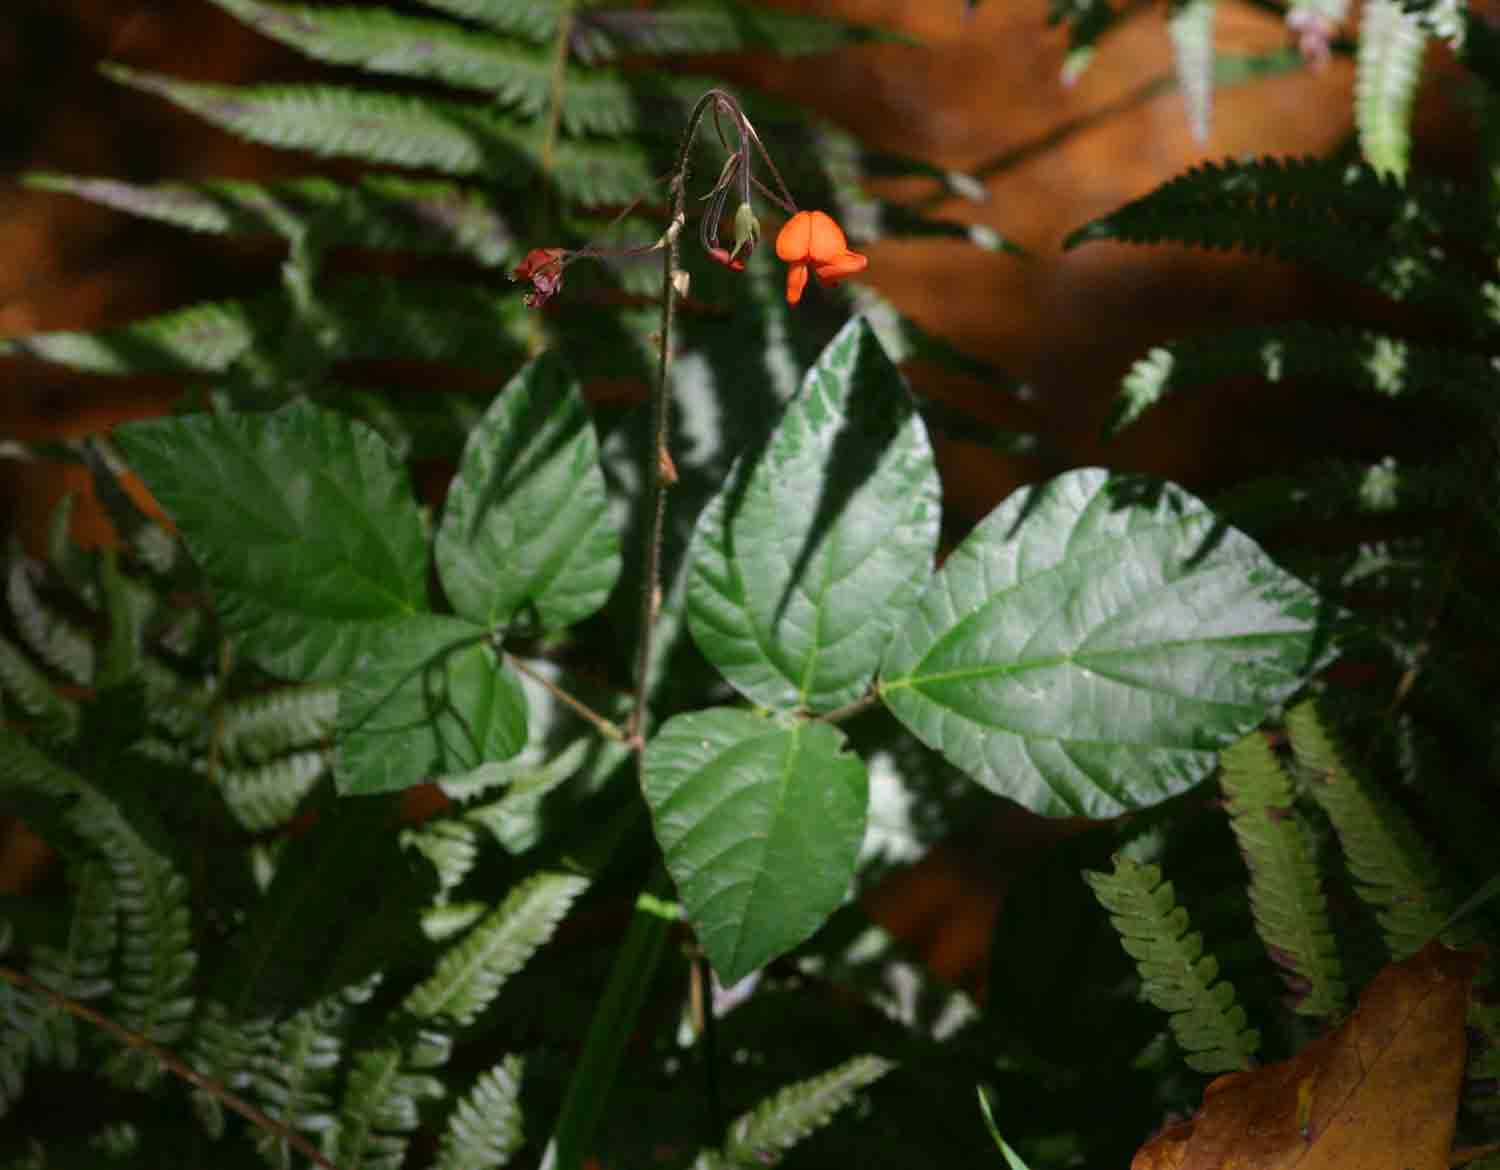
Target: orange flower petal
x=835, y=270
x=796, y=281
x=793, y=239
x=825, y=238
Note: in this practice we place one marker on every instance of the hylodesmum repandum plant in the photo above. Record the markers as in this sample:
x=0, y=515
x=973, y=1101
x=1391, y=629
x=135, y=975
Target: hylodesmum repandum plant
x=1087, y=649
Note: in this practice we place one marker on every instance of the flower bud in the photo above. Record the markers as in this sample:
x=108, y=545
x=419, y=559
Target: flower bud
x=746, y=231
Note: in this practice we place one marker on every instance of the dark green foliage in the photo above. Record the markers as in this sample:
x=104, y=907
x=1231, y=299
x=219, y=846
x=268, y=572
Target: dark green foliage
x=443, y=993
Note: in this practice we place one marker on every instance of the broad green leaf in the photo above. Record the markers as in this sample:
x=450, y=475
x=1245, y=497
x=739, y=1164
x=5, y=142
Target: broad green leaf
x=302, y=521
x=527, y=525
x=1094, y=642
x=809, y=558
x=760, y=822
x=428, y=697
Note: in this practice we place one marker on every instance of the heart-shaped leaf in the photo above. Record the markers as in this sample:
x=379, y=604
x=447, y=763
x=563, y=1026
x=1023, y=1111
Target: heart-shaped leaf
x=808, y=559
x=303, y=522
x=760, y=822
x=526, y=523
x=1094, y=642
x=430, y=697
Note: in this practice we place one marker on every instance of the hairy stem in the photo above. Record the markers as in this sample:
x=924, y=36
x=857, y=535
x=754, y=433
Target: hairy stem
x=172, y=1063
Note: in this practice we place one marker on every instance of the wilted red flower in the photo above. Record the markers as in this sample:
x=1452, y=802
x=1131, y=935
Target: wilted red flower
x=811, y=239
x=543, y=267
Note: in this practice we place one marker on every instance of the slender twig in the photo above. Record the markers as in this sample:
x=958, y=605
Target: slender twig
x=661, y=473
x=603, y=726
x=849, y=710
x=171, y=1062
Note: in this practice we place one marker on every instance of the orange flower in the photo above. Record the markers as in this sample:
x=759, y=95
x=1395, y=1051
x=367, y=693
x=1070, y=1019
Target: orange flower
x=811, y=239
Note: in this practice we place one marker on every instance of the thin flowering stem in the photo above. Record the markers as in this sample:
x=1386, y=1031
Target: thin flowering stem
x=660, y=471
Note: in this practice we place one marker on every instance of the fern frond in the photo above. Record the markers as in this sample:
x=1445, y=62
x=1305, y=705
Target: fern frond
x=48, y=635
x=18, y=1010
x=485, y=1127
x=1176, y=976
x=1391, y=44
x=80, y=968
x=260, y=727
x=295, y=1083
x=367, y=318
x=453, y=137
x=534, y=20
x=1339, y=490
x=1286, y=895
x=205, y=338
x=152, y=992
x=268, y=795
x=381, y=1104
x=381, y=41
x=33, y=693
x=1372, y=362
x=704, y=26
x=229, y=1050
x=780, y=1122
x=1191, y=28
x=376, y=318
x=471, y=974
x=1349, y=220
x=1394, y=872
x=380, y=211
x=451, y=845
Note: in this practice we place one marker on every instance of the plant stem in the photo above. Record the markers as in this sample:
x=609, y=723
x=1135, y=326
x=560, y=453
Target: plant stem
x=603, y=726
x=171, y=1062
x=661, y=473
x=849, y=710
x=555, y=84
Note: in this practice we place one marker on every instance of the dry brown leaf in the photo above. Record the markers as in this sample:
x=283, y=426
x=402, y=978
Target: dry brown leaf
x=1380, y=1092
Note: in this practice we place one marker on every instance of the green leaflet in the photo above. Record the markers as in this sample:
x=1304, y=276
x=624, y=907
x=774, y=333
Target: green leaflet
x=526, y=526
x=1391, y=44
x=809, y=557
x=777, y=1124
x=1176, y=976
x=1286, y=895
x=1191, y=28
x=427, y=696
x=471, y=974
x=760, y=823
x=485, y=1127
x=1394, y=871
x=301, y=520
x=1094, y=641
